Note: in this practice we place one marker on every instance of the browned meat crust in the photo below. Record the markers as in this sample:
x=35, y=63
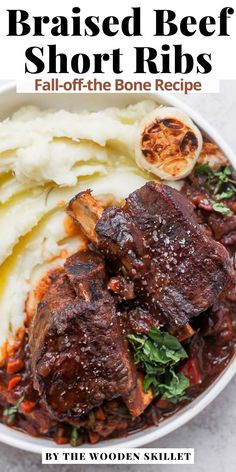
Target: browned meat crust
x=155, y=239
x=79, y=356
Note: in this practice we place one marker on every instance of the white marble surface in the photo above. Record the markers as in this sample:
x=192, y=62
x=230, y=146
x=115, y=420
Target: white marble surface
x=213, y=432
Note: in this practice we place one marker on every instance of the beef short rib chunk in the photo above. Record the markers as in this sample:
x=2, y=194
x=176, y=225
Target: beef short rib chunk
x=78, y=354
x=156, y=241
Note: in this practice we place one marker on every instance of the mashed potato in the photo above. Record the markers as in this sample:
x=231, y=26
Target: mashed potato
x=46, y=157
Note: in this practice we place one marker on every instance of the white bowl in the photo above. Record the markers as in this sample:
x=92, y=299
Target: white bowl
x=10, y=101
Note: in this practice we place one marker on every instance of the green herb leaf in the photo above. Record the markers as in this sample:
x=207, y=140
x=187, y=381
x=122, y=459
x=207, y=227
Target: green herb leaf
x=225, y=195
x=216, y=180
x=149, y=381
x=221, y=208
x=164, y=339
x=174, y=387
x=10, y=413
x=222, y=178
x=156, y=350
x=74, y=437
x=203, y=168
x=157, y=354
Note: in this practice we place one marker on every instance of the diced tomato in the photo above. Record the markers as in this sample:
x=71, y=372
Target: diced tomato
x=14, y=366
x=191, y=370
x=202, y=202
x=13, y=382
x=27, y=406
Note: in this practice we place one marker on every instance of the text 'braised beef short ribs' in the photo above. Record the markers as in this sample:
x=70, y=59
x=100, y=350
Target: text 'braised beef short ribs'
x=155, y=241
x=79, y=356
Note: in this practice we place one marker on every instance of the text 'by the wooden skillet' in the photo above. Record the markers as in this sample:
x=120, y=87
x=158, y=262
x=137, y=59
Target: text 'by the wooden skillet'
x=118, y=456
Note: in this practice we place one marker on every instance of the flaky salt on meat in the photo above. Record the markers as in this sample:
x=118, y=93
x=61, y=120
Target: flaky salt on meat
x=79, y=355
x=175, y=267
x=155, y=241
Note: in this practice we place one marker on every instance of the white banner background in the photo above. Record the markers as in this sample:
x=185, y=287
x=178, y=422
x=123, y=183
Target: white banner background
x=222, y=49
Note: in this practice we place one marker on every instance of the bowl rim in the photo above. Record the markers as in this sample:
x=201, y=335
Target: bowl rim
x=25, y=442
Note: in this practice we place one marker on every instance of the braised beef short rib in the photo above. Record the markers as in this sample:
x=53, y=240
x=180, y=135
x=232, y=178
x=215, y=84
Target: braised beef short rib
x=79, y=356
x=156, y=242
x=155, y=238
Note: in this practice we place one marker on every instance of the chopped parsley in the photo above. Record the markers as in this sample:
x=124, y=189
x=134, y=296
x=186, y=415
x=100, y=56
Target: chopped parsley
x=217, y=180
x=221, y=208
x=225, y=195
x=74, y=437
x=204, y=169
x=174, y=387
x=222, y=177
x=157, y=354
x=220, y=184
x=10, y=413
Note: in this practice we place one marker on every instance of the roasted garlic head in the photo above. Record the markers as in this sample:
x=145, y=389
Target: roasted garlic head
x=168, y=143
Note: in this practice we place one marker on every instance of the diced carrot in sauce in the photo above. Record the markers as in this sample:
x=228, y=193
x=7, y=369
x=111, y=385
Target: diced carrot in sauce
x=13, y=382
x=14, y=366
x=93, y=437
x=61, y=440
x=99, y=414
x=192, y=371
x=60, y=437
x=162, y=404
x=27, y=406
